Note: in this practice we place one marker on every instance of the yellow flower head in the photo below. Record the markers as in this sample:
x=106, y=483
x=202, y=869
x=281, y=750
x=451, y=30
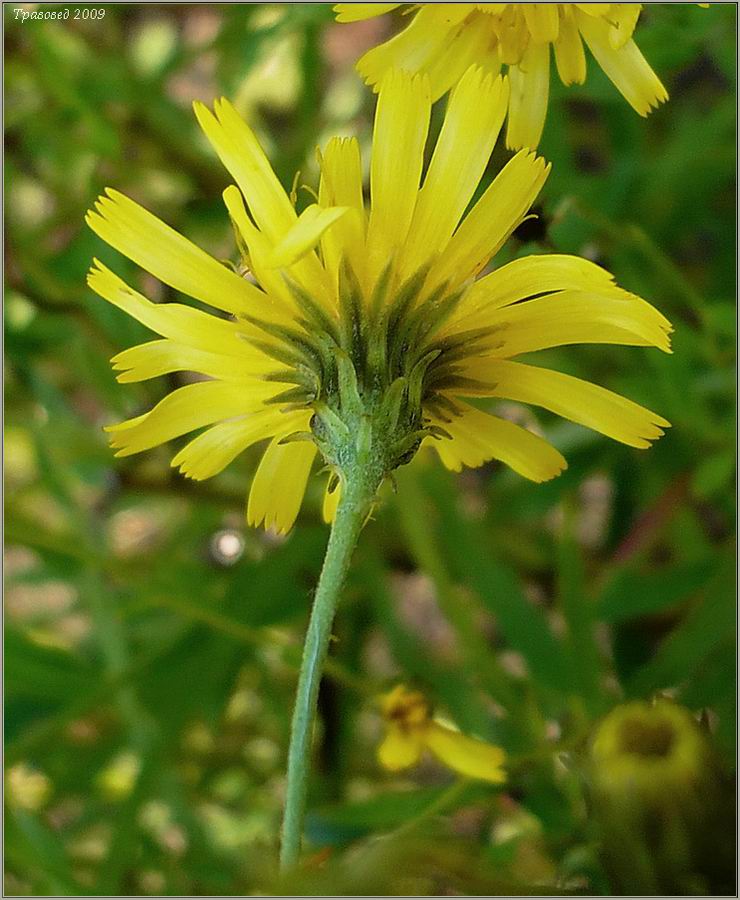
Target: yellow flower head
x=443, y=39
x=410, y=730
x=360, y=331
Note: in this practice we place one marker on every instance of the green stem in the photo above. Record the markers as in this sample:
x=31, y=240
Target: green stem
x=352, y=511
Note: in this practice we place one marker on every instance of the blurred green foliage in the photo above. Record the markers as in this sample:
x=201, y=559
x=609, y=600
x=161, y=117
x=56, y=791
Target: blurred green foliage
x=152, y=639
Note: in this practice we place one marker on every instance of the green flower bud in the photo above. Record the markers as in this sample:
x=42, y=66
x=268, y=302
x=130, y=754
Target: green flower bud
x=657, y=795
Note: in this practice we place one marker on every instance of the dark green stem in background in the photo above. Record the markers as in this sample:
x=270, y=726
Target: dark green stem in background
x=353, y=509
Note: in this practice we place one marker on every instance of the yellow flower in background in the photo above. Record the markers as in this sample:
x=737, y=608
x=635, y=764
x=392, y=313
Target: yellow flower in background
x=410, y=730
x=360, y=331
x=443, y=39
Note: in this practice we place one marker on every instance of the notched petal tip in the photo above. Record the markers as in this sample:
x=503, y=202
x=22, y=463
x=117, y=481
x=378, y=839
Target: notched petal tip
x=551, y=474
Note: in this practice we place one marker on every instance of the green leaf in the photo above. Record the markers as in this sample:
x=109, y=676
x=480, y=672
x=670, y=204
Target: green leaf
x=714, y=475
x=524, y=627
x=41, y=672
x=40, y=852
x=632, y=593
x=341, y=823
x=710, y=623
x=578, y=610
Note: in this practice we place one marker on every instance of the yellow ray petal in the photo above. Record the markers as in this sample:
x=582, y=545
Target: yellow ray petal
x=626, y=67
x=417, y=45
x=186, y=409
x=466, y=755
x=532, y=275
x=281, y=303
x=355, y=12
x=474, y=116
x=468, y=43
x=399, y=749
x=169, y=256
x=157, y=358
x=331, y=501
x=176, y=321
x=513, y=35
x=280, y=483
x=582, y=402
x=493, y=218
x=595, y=9
x=305, y=234
x=240, y=152
x=478, y=437
x=399, y=135
x=491, y=9
x=623, y=19
x=530, y=86
x=210, y=452
x=542, y=21
x=341, y=185
x=579, y=317
x=570, y=57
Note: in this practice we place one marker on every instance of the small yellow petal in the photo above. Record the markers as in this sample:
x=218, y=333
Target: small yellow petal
x=478, y=437
x=169, y=256
x=474, y=116
x=542, y=21
x=399, y=136
x=494, y=217
x=582, y=402
x=305, y=234
x=180, y=323
x=570, y=57
x=279, y=304
x=530, y=86
x=399, y=749
x=532, y=275
x=401, y=704
x=186, y=409
x=594, y=9
x=626, y=67
x=210, y=452
x=162, y=357
x=240, y=152
x=468, y=43
x=331, y=501
x=417, y=45
x=513, y=35
x=578, y=317
x=341, y=185
x=280, y=481
x=355, y=12
x=623, y=19
x=466, y=755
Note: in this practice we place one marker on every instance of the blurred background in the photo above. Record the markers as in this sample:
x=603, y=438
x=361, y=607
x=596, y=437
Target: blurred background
x=152, y=638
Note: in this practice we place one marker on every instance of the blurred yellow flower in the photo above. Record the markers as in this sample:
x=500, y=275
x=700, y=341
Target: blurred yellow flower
x=443, y=39
x=410, y=730
x=359, y=331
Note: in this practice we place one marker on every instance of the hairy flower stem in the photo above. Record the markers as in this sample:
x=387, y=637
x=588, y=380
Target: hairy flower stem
x=352, y=511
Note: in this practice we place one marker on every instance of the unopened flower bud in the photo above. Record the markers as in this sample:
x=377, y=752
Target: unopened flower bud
x=656, y=790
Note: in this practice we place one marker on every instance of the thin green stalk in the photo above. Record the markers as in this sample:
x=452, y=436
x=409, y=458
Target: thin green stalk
x=446, y=800
x=352, y=511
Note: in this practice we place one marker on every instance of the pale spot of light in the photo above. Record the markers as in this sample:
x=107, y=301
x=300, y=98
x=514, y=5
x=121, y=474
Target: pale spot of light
x=227, y=546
